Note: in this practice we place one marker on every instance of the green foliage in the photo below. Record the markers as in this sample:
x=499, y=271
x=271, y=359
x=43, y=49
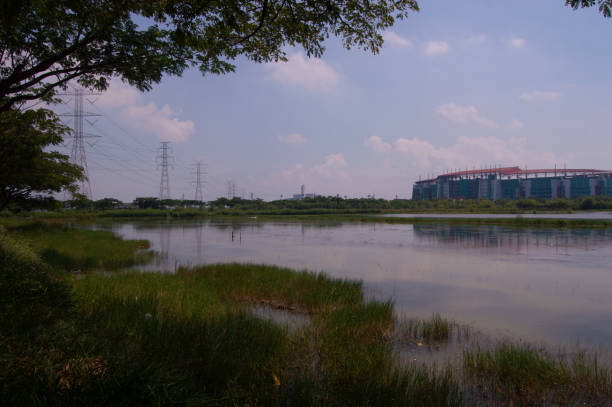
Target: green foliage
x=26, y=165
x=147, y=203
x=47, y=43
x=106, y=203
x=605, y=6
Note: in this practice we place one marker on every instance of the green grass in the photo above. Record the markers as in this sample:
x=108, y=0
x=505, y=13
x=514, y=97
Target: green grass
x=191, y=338
x=31, y=294
x=135, y=338
x=312, y=215
x=278, y=287
x=61, y=245
x=526, y=376
x=434, y=329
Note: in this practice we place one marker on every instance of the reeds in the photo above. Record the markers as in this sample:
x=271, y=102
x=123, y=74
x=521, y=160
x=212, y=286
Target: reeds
x=524, y=375
x=189, y=338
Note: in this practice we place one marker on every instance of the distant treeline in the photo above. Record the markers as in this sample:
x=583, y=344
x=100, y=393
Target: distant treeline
x=317, y=205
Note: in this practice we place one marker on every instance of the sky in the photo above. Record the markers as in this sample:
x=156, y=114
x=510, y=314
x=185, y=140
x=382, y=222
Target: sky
x=468, y=84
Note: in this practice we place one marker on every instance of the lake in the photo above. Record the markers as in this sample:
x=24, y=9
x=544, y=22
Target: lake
x=548, y=285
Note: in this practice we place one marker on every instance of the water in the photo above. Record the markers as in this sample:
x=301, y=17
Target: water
x=547, y=285
x=578, y=216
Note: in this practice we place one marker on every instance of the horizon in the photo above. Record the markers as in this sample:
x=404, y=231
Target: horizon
x=455, y=86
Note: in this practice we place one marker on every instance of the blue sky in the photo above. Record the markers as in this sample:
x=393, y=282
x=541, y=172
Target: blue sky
x=459, y=85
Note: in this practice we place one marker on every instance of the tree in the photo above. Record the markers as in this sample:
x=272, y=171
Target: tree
x=147, y=202
x=25, y=165
x=605, y=6
x=46, y=43
x=106, y=203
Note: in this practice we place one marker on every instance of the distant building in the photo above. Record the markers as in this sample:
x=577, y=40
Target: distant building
x=301, y=195
x=297, y=197
x=515, y=183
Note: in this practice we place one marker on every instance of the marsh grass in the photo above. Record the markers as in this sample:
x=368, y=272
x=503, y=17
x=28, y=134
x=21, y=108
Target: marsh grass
x=435, y=329
x=189, y=338
x=300, y=291
x=134, y=338
x=524, y=375
x=63, y=246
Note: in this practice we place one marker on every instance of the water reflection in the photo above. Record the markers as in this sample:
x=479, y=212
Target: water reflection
x=540, y=283
x=518, y=240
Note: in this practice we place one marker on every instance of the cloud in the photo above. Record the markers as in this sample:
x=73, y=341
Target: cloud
x=539, y=96
x=334, y=167
x=313, y=74
x=516, y=124
x=158, y=121
x=397, y=40
x=516, y=42
x=465, y=115
x=476, y=39
x=377, y=144
x=293, y=138
x=147, y=118
x=118, y=94
x=435, y=48
x=469, y=151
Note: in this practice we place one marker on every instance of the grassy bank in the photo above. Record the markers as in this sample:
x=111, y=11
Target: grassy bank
x=323, y=215
x=61, y=245
x=517, y=221
x=192, y=338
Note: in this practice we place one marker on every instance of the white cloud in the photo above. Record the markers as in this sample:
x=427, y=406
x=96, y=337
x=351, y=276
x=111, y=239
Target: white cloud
x=465, y=115
x=334, y=167
x=435, y=48
x=311, y=73
x=294, y=138
x=377, y=144
x=539, y=96
x=470, y=151
x=516, y=124
x=516, y=42
x=158, y=121
x=118, y=94
x=397, y=40
x=476, y=39
x=147, y=118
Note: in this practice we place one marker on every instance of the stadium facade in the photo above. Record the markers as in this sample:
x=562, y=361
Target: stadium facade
x=515, y=183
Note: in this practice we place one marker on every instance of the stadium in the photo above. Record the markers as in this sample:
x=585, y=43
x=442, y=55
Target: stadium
x=515, y=183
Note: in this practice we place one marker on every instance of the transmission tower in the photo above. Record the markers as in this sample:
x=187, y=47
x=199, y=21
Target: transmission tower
x=162, y=162
x=231, y=189
x=77, y=152
x=198, y=181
